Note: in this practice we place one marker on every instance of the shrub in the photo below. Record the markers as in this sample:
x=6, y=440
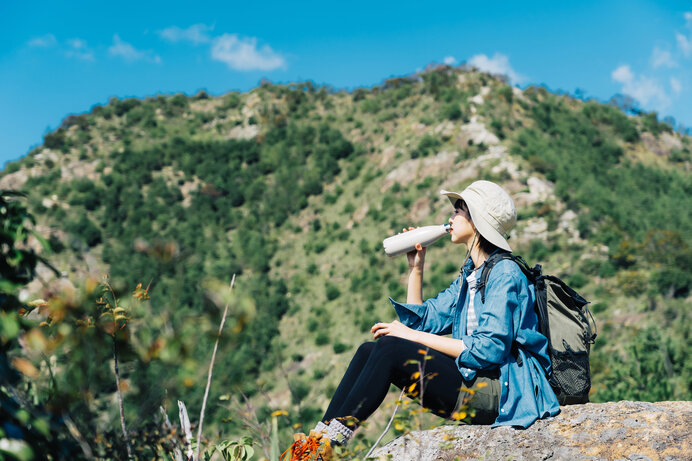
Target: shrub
x=231, y=101
x=121, y=107
x=427, y=144
x=55, y=140
x=598, y=308
x=369, y=106
x=672, y=282
x=84, y=228
x=577, y=280
x=339, y=348
x=451, y=111
x=322, y=338
x=332, y=291
x=538, y=250
x=299, y=390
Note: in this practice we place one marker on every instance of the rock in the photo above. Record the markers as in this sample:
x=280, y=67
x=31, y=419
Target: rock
x=420, y=209
x=387, y=155
x=670, y=141
x=445, y=130
x=358, y=215
x=568, y=225
x=479, y=98
x=418, y=168
x=418, y=128
x=14, y=180
x=79, y=169
x=497, y=159
x=535, y=229
x=477, y=133
x=594, y=431
x=243, y=132
x=540, y=190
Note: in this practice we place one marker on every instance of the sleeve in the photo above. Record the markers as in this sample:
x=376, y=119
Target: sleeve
x=491, y=342
x=435, y=315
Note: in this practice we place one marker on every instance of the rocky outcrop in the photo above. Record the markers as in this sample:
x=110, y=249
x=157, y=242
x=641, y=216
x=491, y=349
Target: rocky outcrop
x=594, y=431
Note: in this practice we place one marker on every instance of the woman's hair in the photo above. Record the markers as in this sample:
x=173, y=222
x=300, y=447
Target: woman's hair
x=485, y=245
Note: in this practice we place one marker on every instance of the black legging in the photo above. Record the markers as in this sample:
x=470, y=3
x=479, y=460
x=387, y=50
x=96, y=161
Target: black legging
x=376, y=365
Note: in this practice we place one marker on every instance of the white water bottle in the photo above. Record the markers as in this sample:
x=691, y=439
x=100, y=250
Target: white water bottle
x=406, y=241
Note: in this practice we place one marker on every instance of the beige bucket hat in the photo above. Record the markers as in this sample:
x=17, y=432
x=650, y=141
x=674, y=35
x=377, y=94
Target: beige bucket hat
x=492, y=210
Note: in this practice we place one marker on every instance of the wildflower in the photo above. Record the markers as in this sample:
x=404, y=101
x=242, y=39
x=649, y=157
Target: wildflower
x=458, y=415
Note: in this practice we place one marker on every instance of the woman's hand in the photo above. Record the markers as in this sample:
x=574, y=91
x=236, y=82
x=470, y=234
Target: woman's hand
x=395, y=328
x=416, y=258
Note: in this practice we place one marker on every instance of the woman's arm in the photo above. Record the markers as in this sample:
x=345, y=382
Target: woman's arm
x=416, y=261
x=448, y=346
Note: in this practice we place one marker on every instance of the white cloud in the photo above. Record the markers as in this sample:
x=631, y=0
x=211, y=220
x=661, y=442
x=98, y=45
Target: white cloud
x=644, y=89
x=662, y=58
x=675, y=85
x=130, y=53
x=684, y=43
x=196, y=33
x=622, y=74
x=498, y=64
x=688, y=18
x=78, y=49
x=449, y=60
x=243, y=54
x=77, y=43
x=43, y=41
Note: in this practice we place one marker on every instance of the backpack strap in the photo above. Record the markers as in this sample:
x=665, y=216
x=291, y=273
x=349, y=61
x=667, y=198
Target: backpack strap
x=531, y=274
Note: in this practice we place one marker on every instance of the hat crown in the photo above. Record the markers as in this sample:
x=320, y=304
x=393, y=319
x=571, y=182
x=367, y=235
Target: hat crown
x=496, y=204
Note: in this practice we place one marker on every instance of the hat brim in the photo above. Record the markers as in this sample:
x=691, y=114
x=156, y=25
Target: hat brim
x=483, y=226
x=452, y=196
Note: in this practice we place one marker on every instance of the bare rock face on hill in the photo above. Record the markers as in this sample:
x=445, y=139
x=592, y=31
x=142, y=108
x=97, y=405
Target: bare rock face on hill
x=594, y=431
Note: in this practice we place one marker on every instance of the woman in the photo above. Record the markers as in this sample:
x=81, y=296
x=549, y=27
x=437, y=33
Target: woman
x=496, y=342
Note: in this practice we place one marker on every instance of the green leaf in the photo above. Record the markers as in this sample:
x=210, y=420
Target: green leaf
x=9, y=326
x=17, y=448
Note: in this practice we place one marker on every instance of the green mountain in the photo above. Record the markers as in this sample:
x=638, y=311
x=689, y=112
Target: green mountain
x=292, y=188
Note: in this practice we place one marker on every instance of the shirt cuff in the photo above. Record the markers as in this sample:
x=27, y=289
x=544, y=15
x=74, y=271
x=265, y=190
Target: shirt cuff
x=463, y=358
x=409, y=314
x=467, y=373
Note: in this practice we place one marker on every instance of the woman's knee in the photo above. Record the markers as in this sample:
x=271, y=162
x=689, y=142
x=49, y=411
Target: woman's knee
x=365, y=349
x=391, y=346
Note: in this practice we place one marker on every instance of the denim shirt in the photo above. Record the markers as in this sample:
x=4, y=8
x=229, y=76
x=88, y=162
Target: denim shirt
x=506, y=316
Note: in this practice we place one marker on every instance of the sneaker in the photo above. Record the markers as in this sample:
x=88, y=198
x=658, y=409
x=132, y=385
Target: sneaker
x=314, y=447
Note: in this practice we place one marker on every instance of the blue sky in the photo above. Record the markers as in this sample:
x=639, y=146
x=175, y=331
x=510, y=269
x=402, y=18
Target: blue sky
x=60, y=58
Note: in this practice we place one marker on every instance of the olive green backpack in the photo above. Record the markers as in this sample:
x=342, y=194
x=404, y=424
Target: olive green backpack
x=563, y=318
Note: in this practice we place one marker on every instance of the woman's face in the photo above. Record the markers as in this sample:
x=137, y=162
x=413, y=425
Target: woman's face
x=462, y=226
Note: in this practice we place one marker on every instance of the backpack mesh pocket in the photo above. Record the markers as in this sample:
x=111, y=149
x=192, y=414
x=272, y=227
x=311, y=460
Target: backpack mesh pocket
x=571, y=375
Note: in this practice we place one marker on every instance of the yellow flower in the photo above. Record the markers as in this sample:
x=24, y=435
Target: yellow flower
x=458, y=415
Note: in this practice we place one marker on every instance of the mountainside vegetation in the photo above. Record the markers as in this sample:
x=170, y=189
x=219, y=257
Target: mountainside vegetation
x=292, y=188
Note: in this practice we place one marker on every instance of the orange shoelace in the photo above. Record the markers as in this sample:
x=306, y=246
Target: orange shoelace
x=303, y=450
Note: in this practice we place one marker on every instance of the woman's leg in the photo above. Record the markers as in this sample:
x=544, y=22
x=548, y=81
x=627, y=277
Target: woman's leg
x=393, y=360
x=352, y=373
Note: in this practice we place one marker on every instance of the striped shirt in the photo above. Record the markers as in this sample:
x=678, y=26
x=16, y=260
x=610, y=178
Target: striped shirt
x=471, y=320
